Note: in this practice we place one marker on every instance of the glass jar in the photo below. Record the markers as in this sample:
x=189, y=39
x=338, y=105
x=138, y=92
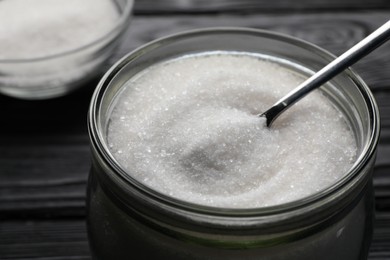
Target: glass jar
x=127, y=218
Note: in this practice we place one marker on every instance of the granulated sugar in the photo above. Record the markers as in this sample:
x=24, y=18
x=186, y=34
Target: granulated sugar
x=39, y=28
x=189, y=128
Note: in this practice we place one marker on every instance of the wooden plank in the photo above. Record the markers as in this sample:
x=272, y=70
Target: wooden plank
x=44, y=156
x=67, y=239
x=54, y=240
x=380, y=246
x=44, y=152
x=235, y=6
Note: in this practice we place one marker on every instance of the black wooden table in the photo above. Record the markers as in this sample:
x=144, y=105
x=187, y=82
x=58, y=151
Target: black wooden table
x=44, y=151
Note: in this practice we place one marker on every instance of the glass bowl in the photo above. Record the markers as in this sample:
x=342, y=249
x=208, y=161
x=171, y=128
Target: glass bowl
x=57, y=74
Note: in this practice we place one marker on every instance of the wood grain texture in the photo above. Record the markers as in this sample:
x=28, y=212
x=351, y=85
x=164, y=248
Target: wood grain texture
x=54, y=240
x=44, y=156
x=67, y=239
x=44, y=150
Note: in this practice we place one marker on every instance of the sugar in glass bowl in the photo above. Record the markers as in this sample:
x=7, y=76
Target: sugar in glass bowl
x=49, y=48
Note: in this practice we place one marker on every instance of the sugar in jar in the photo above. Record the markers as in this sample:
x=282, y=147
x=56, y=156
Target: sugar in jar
x=183, y=167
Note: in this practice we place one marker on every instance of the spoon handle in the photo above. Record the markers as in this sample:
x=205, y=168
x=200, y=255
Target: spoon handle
x=361, y=49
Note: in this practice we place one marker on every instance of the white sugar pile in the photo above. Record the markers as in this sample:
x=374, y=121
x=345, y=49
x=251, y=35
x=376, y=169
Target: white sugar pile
x=39, y=28
x=189, y=128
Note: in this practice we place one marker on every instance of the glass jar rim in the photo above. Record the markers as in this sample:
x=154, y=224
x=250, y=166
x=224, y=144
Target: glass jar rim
x=97, y=138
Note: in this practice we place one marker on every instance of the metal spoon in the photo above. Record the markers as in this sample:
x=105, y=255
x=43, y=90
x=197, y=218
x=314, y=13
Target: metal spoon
x=361, y=49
